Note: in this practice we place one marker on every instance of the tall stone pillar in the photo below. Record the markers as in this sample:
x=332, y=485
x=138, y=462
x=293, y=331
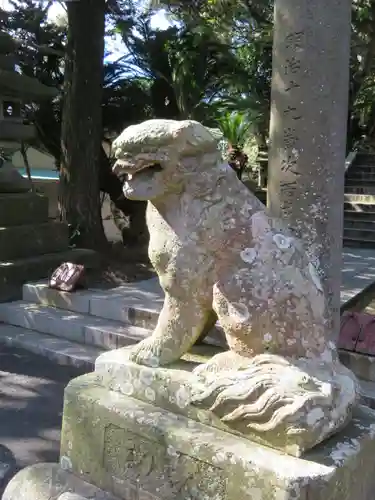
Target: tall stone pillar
x=308, y=128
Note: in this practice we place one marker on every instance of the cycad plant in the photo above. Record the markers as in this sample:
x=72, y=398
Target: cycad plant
x=235, y=128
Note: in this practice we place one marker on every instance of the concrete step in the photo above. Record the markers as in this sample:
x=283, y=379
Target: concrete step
x=72, y=326
x=359, y=208
x=356, y=243
x=360, y=189
x=362, y=366
x=19, y=271
x=23, y=208
x=360, y=171
x=364, y=158
x=9, y=293
x=360, y=179
x=137, y=304
x=356, y=175
x=358, y=223
x=61, y=351
x=360, y=216
x=359, y=199
x=367, y=393
x=140, y=303
x=359, y=234
x=83, y=356
x=17, y=242
x=360, y=167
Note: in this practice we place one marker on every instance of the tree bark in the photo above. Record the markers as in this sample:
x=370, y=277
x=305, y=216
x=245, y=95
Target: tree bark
x=82, y=122
x=135, y=211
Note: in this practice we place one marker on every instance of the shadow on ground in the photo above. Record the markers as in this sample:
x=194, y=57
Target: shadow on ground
x=31, y=403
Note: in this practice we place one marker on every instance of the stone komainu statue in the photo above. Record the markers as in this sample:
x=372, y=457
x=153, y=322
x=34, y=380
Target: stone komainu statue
x=215, y=248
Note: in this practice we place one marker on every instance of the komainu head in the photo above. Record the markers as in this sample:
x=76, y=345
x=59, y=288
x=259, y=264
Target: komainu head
x=153, y=156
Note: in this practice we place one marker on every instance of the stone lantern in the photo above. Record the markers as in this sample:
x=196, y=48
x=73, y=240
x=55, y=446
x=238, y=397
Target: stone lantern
x=15, y=91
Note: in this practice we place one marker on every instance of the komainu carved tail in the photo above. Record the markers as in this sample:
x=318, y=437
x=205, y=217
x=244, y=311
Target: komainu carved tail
x=291, y=405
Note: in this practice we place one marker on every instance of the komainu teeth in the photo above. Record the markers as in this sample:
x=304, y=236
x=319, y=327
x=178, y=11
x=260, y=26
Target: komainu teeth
x=122, y=163
x=125, y=167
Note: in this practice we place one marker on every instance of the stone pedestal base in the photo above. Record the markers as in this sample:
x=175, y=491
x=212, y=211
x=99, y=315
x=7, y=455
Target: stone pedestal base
x=137, y=451
x=51, y=482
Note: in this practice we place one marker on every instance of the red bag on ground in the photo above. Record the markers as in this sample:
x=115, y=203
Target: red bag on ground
x=67, y=277
x=357, y=333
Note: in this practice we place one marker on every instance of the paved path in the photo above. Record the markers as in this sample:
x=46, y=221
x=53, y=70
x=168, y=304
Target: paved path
x=31, y=401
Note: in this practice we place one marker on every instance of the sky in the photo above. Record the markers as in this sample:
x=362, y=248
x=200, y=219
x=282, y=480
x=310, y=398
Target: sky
x=159, y=20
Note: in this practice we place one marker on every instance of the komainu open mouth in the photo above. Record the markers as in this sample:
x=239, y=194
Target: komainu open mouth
x=129, y=170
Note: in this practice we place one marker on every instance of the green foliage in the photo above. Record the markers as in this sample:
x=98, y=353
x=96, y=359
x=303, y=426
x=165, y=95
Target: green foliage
x=362, y=69
x=199, y=52
x=216, y=60
x=235, y=128
x=244, y=30
x=246, y=26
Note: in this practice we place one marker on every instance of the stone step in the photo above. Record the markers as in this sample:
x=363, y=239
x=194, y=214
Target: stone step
x=359, y=199
x=357, y=215
x=360, y=189
x=358, y=243
x=367, y=393
x=23, y=208
x=361, y=166
x=362, y=366
x=359, y=208
x=358, y=223
x=19, y=271
x=364, y=158
x=359, y=234
x=360, y=176
x=140, y=303
x=137, y=304
x=72, y=326
x=17, y=242
x=360, y=172
x=83, y=356
x=9, y=293
x=59, y=350
x=359, y=184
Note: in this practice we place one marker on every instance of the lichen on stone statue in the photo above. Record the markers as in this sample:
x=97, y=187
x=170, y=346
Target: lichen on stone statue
x=216, y=249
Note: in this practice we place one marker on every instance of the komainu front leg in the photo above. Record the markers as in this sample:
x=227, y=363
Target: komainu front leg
x=179, y=326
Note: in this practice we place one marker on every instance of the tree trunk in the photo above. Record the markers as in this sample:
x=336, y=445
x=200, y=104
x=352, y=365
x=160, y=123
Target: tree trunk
x=82, y=122
x=135, y=211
